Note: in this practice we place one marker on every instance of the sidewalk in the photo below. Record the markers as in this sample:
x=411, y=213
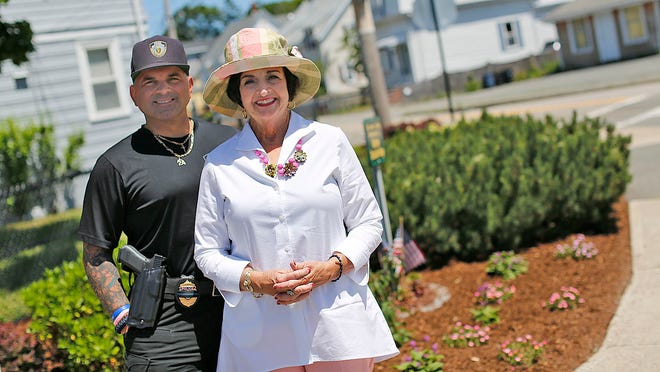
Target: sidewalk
x=632, y=342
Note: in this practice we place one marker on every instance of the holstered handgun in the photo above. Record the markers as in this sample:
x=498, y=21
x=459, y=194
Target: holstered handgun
x=147, y=290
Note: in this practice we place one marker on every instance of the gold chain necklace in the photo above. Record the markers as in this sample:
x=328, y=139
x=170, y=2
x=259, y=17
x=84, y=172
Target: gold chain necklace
x=179, y=158
x=181, y=144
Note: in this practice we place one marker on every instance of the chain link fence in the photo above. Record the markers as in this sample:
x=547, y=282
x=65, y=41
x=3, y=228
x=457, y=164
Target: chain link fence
x=38, y=223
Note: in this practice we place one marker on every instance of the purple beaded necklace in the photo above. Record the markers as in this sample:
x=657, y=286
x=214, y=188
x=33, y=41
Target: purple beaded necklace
x=289, y=168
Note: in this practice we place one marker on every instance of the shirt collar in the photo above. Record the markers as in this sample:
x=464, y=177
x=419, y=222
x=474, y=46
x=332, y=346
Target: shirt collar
x=299, y=127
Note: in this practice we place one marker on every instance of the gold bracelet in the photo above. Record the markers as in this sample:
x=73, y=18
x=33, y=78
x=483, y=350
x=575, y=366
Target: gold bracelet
x=247, y=283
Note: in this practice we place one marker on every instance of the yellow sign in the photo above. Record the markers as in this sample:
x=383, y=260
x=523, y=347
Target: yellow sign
x=373, y=133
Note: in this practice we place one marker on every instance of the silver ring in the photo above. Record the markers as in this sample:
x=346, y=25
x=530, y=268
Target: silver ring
x=290, y=292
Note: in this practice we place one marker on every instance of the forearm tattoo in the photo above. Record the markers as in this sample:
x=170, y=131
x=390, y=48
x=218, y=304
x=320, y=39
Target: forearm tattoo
x=103, y=276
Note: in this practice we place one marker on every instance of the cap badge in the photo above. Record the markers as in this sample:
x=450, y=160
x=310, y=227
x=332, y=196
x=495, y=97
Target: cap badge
x=158, y=48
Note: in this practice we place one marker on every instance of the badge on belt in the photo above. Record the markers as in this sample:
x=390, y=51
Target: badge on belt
x=187, y=293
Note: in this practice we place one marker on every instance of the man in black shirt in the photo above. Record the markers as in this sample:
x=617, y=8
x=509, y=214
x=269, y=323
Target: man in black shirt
x=146, y=187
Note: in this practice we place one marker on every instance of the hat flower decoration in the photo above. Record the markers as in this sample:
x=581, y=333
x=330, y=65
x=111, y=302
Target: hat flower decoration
x=256, y=48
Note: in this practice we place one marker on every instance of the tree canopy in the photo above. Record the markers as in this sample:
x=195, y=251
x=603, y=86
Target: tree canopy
x=203, y=22
x=282, y=7
x=15, y=40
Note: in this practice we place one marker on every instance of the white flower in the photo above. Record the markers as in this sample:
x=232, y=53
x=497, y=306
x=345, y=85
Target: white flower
x=295, y=52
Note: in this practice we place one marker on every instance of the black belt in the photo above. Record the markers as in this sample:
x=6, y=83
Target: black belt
x=205, y=287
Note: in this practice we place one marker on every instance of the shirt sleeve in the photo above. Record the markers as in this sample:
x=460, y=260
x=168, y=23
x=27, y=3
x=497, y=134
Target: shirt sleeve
x=362, y=215
x=102, y=220
x=212, y=243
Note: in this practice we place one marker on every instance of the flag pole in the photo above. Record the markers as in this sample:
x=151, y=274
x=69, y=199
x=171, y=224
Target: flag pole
x=402, y=234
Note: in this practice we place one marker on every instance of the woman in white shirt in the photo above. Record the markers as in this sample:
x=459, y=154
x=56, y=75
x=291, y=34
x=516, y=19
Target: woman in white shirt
x=286, y=222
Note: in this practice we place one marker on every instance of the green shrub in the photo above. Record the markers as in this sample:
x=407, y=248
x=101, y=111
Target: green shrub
x=12, y=307
x=506, y=264
x=472, y=84
x=66, y=311
x=504, y=182
x=486, y=315
x=19, y=236
x=421, y=358
x=384, y=285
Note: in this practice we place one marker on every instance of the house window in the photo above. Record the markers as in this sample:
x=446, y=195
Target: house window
x=378, y=8
x=21, y=83
x=581, y=40
x=510, y=35
x=404, y=59
x=104, y=88
x=387, y=62
x=633, y=25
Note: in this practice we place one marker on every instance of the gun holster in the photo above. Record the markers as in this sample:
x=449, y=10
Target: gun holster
x=146, y=295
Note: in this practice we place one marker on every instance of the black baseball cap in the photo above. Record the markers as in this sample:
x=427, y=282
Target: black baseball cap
x=158, y=51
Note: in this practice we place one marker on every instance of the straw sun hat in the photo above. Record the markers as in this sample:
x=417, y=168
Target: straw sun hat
x=255, y=48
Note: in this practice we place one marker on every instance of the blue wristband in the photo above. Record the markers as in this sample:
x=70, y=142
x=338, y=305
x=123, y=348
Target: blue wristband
x=118, y=311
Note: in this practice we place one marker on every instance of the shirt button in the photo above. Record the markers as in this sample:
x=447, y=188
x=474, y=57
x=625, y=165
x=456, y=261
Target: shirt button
x=282, y=218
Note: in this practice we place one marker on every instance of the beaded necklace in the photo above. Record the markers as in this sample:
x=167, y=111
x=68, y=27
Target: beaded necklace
x=289, y=168
x=189, y=138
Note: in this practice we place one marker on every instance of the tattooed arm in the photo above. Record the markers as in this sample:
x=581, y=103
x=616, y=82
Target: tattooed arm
x=104, y=277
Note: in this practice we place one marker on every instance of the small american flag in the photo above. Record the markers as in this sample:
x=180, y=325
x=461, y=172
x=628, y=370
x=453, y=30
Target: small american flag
x=403, y=244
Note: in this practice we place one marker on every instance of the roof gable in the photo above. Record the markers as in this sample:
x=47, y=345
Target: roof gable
x=318, y=15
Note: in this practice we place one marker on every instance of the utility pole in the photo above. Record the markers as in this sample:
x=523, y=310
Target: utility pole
x=445, y=77
x=367, y=30
x=364, y=21
x=171, y=27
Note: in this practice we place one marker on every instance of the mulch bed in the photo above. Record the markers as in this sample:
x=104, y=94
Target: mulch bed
x=572, y=336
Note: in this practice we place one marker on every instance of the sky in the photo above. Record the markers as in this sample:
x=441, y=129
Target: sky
x=154, y=10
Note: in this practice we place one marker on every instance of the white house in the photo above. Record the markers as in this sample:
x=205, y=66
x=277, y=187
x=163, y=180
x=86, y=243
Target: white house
x=78, y=77
x=481, y=32
x=319, y=27
x=601, y=31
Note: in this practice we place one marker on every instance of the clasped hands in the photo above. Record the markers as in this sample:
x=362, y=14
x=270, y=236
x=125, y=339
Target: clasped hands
x=296, y=283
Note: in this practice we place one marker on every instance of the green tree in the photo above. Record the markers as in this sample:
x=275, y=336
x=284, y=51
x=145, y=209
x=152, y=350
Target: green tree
x=28, y=159
x=203, y=22
x=15, y=40
x=282, y=7
x=350, y=41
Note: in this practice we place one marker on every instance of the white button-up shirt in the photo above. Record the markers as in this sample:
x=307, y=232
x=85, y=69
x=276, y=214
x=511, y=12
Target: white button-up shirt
x=245, y=216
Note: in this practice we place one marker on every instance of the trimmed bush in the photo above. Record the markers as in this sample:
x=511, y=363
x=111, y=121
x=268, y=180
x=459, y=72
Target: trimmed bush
x=503, y=182
x=19, y=236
